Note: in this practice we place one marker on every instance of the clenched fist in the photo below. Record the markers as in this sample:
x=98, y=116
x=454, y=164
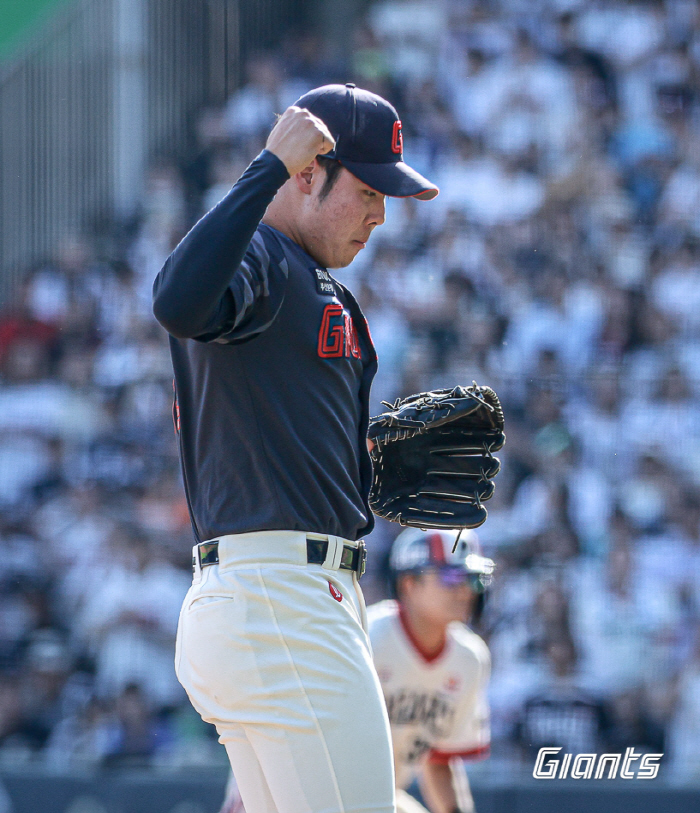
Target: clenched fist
x=297, y=138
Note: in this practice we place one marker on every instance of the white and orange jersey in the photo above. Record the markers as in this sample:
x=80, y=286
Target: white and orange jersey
x=438, y=708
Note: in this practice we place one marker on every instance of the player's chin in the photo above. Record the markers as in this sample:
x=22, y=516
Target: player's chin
x=348, y=256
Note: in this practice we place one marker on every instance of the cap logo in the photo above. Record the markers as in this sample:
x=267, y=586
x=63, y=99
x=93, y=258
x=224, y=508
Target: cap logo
x=397, y=138
x=437, y=551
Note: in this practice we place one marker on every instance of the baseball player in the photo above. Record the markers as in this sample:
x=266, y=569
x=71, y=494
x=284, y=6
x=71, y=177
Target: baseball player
x=433, y=669
x=273, y=365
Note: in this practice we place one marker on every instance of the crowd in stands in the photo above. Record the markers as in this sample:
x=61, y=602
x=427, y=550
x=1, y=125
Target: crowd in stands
x=560, y=264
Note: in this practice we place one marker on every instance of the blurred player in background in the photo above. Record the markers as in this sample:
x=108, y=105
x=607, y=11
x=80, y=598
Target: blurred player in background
x=433, y=669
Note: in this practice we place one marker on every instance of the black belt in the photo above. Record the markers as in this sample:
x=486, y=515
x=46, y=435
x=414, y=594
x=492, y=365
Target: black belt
x=316, y=551
x=351, y=558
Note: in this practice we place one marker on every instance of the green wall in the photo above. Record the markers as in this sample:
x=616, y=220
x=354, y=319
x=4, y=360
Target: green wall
x=19, y=19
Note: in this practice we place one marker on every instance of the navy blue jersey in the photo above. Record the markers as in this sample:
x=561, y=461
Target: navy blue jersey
x=273, y=365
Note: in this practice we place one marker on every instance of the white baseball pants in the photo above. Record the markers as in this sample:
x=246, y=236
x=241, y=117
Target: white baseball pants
x=272, y=651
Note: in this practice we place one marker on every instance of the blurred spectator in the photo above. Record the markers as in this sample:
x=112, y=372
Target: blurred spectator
x=161, y=226
x=527, y=611
x=81, y=739
x=129, y=624
x=69, y=292
x=644, y=497
x=613, y=619
x=684, y=728
x=28, y=344
x=46, y=691
x=687, y=532
x=676, y=286
x=20, y=615
x=134, y=735
x=631, y=726
x=562, y=713
x=211, y=139
x=250, y=112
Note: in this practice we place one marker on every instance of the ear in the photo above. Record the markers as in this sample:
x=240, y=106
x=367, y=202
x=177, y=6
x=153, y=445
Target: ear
x=305, y=179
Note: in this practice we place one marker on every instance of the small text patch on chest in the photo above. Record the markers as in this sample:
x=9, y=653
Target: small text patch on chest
x=324, y=282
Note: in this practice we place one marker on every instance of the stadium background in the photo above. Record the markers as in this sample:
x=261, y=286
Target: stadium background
x=560, y=264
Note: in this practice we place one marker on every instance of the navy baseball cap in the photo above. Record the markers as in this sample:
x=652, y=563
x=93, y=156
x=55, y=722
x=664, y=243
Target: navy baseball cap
x=368, y=139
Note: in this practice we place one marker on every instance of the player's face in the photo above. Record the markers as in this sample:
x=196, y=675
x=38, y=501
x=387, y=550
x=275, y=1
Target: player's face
x=441, y=600
x=338, y=227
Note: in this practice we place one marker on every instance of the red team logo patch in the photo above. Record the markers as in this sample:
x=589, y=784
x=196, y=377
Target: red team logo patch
x=337, y=337
x=337, y=595
x=397, y=138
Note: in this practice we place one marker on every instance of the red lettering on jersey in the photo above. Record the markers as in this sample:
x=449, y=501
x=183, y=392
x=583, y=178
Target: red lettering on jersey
x=331, y=334
x=337, y=595
x=337, y=336
x=352, y=343
x=397, y=138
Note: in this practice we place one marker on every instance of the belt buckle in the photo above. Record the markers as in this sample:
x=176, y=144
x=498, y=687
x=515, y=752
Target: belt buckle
x=361, y=559
x=208, y=553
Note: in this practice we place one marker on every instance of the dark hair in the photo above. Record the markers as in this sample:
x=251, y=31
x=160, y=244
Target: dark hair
x=332, y=168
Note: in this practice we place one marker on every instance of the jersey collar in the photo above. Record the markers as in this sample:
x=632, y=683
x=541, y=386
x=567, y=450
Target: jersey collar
x=304, y=257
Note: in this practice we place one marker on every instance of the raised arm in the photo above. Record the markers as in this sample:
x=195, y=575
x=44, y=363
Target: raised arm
x=191, y=294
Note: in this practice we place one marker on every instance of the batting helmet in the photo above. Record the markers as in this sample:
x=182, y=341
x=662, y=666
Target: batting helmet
x=414, y=551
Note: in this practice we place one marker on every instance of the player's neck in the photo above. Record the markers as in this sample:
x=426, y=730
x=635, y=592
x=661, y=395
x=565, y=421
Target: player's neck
x=279, y=216
x=425, y=636
x=287, y=214
x=275, y=217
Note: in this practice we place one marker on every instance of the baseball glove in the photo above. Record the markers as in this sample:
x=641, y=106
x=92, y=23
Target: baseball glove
x=432, y=455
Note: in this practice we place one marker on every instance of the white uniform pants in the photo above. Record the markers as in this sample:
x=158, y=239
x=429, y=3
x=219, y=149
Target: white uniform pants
x=272, y=651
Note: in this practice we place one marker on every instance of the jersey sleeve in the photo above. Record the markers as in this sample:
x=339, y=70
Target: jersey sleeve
x=254, y=296
x=220, y=282
x=470, y=735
